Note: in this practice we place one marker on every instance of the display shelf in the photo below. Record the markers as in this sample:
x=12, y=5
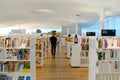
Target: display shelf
x=106, y=62
x=75, y=55
x=15, y=77
x=79, y=53
x=38, y=50
x=69, y=48
x=109, y=73
x=110, y=76
x=84, y=65
x=14, y=60
x=15, y=52
x=108, y=48
x=109, y=60
x=84, y=58
x=13, y=73
x=84, y=53
x=84, y=62
x=17, y=48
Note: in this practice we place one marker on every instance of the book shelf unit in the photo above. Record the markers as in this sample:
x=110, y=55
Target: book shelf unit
x=46, y=45
x=106, y=62
x=84, y=52
x=79, y=53
x=69, y=48
x=15, y=58
x=75, y=55
x=39, y=51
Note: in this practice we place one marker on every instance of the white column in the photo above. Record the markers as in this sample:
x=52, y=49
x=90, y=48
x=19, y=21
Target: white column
x=32, y=59
x=68, y=31
x=77, y=27
x=92, y=58
x=102, y=18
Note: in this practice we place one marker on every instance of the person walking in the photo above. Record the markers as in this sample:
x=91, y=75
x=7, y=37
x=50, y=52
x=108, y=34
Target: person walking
x=58, y=41
x=53, y=41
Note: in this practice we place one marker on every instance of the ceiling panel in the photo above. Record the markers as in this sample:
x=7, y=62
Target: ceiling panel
x=58, y=13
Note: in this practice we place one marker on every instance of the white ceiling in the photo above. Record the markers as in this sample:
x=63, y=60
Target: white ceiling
x=58, y=13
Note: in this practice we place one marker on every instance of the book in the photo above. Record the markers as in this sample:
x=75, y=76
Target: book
x=16, y=66
x=27, y=77
x=20, y=67
x=3, y=77
x=21, y=77
x=2, y=54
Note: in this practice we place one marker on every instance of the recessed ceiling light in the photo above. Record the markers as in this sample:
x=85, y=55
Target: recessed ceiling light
x=45, y=10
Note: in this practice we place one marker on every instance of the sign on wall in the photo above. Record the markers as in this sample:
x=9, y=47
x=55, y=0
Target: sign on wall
x=106, y=32
x=90, y=33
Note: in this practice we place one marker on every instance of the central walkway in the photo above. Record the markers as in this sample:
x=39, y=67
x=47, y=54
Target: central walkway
x=58, y=68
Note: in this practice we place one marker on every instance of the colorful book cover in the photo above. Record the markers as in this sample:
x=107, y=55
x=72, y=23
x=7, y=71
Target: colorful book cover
x=20, y=68
x=3, y=77
x=21, y=78
x=27, y=77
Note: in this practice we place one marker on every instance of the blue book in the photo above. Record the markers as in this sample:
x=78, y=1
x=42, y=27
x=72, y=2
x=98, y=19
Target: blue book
x=3, y=77
x=27, y=77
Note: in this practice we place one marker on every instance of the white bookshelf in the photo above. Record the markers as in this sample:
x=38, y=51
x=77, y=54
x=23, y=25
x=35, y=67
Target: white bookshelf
x=106, y=62
x=84, y=52
x=79, y=52
x=38, y=49
x=46, y=45
x=75, y=56
x=15, y=60
x=92, y=58
x=69, y=47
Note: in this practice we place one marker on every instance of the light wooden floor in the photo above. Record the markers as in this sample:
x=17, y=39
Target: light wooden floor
x=59, y=69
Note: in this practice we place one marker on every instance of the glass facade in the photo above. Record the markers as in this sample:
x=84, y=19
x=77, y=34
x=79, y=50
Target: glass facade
x=110, y=23
x=4, y=31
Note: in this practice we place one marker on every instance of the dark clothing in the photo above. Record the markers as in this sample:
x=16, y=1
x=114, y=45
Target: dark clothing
x=53, y=41
x=53, y=49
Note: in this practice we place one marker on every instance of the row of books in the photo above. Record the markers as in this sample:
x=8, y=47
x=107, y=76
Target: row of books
x=108, y=66
x=6, y=77
x=84, y=54
x=109, y=54
x=108, y=42
x=108, y=77
x=85, y=46
x=84, y=40
x=38, y=46
x=18, y=54
x=13, y=66
x=84, y=61
x=21, y=42
x=38, y=40
x=38, y=54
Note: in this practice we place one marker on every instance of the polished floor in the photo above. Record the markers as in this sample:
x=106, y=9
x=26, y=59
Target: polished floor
x=58, y=68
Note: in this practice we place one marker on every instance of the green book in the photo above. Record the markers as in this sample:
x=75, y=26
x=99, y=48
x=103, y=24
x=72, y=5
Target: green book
x=21, y=78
